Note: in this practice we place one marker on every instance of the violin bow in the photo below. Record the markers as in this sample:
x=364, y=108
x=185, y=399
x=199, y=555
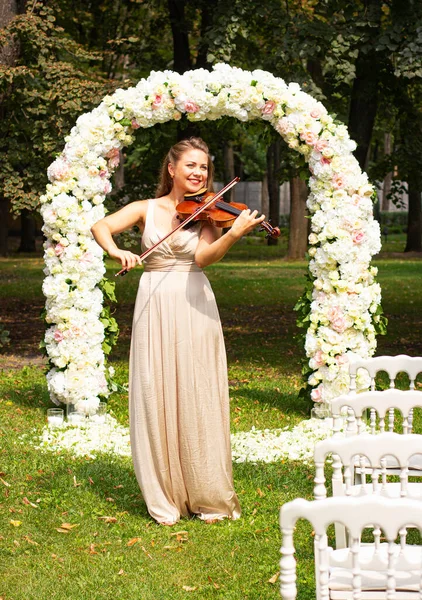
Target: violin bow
x=211, y=201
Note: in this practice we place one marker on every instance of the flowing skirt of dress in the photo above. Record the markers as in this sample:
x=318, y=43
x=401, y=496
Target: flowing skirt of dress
x=178, y=399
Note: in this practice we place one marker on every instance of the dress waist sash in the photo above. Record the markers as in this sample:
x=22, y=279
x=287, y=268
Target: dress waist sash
x=171, y=265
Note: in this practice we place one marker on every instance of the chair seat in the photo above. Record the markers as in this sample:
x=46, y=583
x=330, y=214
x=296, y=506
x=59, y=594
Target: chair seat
x=374, y=571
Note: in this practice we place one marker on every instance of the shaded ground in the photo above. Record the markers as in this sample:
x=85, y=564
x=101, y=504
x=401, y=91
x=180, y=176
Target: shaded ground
x=26, y=329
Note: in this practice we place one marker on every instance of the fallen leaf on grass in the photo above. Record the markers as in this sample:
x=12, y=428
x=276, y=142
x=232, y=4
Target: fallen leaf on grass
x=260, y=492
x=181, y=536
x=15, y=523
x=75, y=483
x=92, y=549
x=109, y=499
x=146, y=552
x=91, y=481
x=108, y=519
x=28, y=539
x=189, y=588
x=4, y=482
x=116, y=487
x=121, y=572
x=133, y=541
x=66, y=527
x=274, y=578
x=28, y=502
x=217, y=587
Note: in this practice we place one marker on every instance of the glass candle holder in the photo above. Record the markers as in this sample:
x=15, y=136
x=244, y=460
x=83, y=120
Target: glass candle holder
x=55, y=417
x=73, y=416
x=100, y=416
x=320, y=411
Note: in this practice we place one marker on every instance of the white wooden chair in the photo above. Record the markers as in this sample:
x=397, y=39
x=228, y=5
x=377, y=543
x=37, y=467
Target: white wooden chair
x=371, y=455
x=392, y=365
x=378, y=571
x=381, y=403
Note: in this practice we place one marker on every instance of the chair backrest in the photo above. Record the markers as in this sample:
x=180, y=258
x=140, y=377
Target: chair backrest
x=381, y=402
x=392, y=516
x=392, y=365
x=369, y=453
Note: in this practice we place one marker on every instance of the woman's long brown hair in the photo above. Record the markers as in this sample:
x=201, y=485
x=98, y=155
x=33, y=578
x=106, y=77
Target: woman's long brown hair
x=175, y=153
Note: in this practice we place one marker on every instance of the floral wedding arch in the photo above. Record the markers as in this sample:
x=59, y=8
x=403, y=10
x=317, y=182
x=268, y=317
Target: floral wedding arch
x=342, y=309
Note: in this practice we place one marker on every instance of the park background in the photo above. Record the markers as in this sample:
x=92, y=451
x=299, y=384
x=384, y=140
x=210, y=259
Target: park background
x=363, y=60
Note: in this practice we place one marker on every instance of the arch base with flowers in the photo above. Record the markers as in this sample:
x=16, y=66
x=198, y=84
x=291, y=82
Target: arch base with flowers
x=341, y=310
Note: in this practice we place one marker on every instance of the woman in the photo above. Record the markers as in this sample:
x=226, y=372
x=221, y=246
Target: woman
x=178, y=389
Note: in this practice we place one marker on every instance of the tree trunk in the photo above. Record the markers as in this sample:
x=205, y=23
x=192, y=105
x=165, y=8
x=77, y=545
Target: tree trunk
x=364, y=98
x=386, y=188
x=273, y=166
x=28, y=229
x=265, y=201
x=4, y=229
x=229, y=173
x=119, y=174
x=206, y=25
x=298, y=231
x=414, y=221
x=181, y=54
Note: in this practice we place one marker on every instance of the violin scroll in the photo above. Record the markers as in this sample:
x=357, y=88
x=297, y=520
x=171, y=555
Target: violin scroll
x=272, y=232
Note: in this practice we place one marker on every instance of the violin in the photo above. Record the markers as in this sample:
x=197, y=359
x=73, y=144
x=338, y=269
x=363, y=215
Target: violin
x=220, y=213
x=202, y=203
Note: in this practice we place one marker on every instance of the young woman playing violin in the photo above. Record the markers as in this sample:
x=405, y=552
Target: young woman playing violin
x=178, y=388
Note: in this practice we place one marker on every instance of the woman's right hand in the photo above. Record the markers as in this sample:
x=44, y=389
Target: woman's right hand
x=127, y=259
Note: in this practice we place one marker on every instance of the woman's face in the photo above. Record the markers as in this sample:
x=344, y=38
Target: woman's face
x=191, y=171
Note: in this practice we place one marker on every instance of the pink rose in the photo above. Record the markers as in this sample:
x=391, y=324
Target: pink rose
x=339, y=325
x=112, y=153
x=59, y=249
x=103, y=172
x=334, y=312
x=337, y=320
x=357, y=237
x=114, y=162
x=325, y=160
x=107, y=187
x=316, y=393
x=309, y=138
x=268, y=108
x=341, y=359
x=135, y=124
x=338, y=181
x=284, y=126
x=58, y=336
x=191, y=107
x=320, y=145
x=157, y=101
x=315, y=113
x=87, y=258
x=318, y=358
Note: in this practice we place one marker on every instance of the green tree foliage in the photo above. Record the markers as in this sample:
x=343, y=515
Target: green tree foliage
x=53, y=80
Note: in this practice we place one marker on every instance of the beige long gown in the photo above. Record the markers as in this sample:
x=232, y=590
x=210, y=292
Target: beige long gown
x=178, y=389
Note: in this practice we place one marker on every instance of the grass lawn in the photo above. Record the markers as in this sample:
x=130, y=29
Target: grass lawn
x=256, y=290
